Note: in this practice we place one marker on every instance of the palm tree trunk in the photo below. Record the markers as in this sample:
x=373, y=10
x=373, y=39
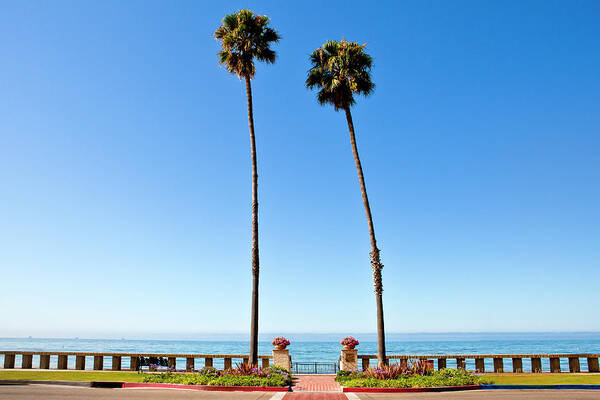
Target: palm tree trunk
x=375, y=260
x=253, y=357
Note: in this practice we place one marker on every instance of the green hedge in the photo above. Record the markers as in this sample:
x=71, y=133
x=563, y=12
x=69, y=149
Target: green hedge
x=446, y=377
x=224, y=380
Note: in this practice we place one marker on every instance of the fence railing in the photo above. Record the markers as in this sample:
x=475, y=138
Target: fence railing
x=498, y=361
x=62, y=359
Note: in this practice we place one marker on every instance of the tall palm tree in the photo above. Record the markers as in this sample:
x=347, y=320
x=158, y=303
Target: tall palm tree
x=244, y=37
x=339, y=71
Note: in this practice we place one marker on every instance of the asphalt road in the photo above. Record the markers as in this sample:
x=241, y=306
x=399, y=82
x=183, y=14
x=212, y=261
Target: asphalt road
x=31, y=392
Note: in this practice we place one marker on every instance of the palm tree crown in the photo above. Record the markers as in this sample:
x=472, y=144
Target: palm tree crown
x=244, y=37
x=340, y=70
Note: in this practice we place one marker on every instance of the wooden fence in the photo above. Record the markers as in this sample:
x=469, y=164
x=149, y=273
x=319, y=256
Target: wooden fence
x=62, y=359
x=498, y=361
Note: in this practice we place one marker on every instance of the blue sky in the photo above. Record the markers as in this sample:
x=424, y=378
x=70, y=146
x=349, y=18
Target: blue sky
x=125, y=170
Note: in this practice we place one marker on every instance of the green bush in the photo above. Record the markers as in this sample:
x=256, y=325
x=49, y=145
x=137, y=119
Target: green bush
x=263, y=377
x=445, y=377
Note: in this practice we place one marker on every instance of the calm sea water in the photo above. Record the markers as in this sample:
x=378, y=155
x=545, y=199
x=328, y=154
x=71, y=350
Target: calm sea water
x=326, y=347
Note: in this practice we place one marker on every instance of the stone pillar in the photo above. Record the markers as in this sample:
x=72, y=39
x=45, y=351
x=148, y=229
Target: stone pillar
x=281, y=358
x=349, y=360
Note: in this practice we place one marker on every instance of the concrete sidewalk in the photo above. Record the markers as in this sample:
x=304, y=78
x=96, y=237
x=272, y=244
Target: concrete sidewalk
x=39, y=391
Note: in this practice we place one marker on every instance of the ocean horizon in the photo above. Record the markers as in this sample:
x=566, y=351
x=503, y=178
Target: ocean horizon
x=312, y=347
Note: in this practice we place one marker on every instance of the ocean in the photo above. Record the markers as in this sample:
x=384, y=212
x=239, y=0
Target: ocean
x=326, y=347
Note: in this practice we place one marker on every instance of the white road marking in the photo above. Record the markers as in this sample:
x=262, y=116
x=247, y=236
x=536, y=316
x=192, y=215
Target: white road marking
x=278, y=396
x=351, y=396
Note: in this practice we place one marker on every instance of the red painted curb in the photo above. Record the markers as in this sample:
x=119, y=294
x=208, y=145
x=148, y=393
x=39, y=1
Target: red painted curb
x=417, y=389
x=206, y=387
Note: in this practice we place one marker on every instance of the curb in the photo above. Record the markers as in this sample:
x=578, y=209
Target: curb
x=62, y=383
x=126, y=385
x=413, y=390
x=536, y=387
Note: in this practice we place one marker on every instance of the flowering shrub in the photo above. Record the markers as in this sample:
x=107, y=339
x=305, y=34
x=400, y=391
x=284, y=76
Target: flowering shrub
x=393, y=371
x=396, y=376
x=280, y=341
x=349, y=341
x=242, y=375
x=209, y=371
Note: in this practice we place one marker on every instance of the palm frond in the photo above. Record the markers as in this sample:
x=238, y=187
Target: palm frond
x=245, y=36
x=340, y=70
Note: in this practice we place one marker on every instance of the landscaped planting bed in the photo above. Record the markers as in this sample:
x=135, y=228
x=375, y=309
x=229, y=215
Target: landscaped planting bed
x=241, y=376
x=413, y=375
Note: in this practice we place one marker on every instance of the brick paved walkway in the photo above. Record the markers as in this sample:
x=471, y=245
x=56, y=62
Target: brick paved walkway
x=316, y=383
x=315, y=396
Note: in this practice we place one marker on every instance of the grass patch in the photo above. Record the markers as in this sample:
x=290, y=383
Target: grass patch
x=84, y=376
x=543, y=379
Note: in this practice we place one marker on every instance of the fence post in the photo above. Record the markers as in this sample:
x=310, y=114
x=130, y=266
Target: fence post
x=480, y=365
x=265, y=363
x=554, y=364
x=536, y=365
x=63, y=361
x=281, y=358
x=227, y=363
x=441, y=363
x=208, y=361
x=172, y=362
x=9, y=361
x=574, y=364
x=498, y=365
x=98, y=363
x=365, y=363
x=135, y=363
x=591, y=361
x=460, y=363
x=26, y=361
x=80, y=362
x=517, y=365
x=116, y=363
x=44, y=361
x=189, y=364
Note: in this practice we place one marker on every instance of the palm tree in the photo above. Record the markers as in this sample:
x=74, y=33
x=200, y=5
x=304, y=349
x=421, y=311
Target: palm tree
x=340, y=70
x=244, y=37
